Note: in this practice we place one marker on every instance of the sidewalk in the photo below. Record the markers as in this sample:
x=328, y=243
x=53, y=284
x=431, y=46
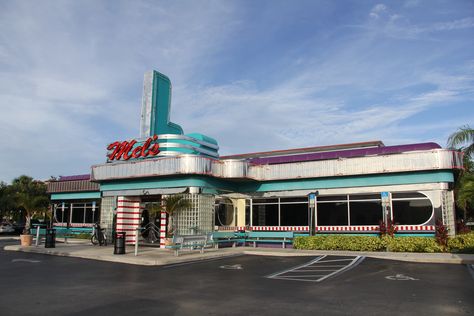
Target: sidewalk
x=150, y=256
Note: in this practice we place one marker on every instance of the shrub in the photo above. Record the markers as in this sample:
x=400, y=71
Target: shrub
x=462, y=243
x=441, y=234
x=413, y=244
x=339, y=242
x=461, y=227
x=388, y=229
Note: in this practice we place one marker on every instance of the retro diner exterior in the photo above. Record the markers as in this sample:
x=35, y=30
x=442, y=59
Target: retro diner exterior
x=356, y=185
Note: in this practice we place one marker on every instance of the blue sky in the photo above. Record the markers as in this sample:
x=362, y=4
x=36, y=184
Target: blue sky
x=255, y=75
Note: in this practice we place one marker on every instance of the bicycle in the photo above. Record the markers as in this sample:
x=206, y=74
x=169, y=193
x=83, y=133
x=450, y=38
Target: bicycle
x=98, y=235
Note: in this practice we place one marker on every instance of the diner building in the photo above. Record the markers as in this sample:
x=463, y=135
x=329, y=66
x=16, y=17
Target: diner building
x=355, y=186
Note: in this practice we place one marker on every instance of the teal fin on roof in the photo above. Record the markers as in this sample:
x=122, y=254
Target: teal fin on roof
x=156, y=106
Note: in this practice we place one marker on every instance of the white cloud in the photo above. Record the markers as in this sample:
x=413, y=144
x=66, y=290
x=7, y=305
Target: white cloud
x=71, y=75
x=454, y=25
x=378, y=10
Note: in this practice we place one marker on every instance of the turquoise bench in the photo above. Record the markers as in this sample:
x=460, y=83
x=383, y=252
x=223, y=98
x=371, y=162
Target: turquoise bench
x=61, y=232
x=193, y=242
x=228, y=237
x=270, y=237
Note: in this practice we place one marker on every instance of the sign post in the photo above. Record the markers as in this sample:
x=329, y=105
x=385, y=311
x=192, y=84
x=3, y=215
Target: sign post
x=312, y=207
x=386, y=206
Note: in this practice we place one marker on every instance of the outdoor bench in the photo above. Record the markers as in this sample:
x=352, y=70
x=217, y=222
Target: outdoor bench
x=228, y=237
x=59, y=233
x=270, y=237
x=190, y=241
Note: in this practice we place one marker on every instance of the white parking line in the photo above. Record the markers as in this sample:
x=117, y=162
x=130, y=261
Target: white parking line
x=312, y=272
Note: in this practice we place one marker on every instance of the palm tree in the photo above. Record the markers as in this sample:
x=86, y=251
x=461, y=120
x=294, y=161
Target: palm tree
x=465, y=193
x=173, y=204
x=31, y=197
x=463, y=140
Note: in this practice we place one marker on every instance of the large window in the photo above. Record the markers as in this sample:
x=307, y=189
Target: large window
x=84, y=212
x=411, y=208
x=291, y=211
x=265, y=215
x=365, y=209
x=77, y=212
x=345, y=210
x=332, y=213
x=61, y=213
x=224, y=212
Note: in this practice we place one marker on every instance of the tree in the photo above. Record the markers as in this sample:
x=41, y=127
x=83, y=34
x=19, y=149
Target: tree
x=31, y=197
x=7, y=203
x=173, y=204
x=465, y=192
x=463, y=140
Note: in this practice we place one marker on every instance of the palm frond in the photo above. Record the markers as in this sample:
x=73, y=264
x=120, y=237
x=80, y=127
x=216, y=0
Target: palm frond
x=463, y=140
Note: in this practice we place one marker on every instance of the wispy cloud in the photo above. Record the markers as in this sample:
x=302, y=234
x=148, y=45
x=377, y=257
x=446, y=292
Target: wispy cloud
x=71, y=75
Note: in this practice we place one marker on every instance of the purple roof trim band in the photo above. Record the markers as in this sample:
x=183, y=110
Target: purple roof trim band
x=345, y=153
x=75, y=178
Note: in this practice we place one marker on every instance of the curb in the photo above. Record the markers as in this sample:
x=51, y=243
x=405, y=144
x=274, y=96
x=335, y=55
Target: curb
x=188, y=258
x=170, y=260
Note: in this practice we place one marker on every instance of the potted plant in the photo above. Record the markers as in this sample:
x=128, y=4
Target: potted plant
x=173, y=204
x=31, y=198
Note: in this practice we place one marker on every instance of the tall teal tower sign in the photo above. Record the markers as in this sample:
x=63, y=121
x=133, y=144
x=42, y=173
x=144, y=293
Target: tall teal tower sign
x=159, y=136
x=156, y=105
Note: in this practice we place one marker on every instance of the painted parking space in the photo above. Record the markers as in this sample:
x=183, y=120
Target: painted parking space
x=319, y=269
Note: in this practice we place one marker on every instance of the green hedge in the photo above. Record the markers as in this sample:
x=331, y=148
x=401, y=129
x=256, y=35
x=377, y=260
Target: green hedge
x=339, y=242
x=412, y=244
x=461, y=243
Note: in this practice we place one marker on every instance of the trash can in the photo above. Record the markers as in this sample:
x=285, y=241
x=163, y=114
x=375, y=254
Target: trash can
x=119, y=245
x=50, y=240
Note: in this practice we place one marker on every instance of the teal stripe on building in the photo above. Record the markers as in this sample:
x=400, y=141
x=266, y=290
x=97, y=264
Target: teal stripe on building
x=75, y=196
x=214, y=185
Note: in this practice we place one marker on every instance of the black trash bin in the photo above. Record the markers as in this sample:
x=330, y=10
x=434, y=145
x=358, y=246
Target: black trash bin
x=119, y=245
x=50, y=241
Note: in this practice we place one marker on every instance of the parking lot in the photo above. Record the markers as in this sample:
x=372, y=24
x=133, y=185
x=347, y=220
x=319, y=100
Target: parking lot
x=35, y=284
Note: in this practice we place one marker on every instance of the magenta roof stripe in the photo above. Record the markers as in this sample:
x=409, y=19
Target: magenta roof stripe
x=345, y=153
x=75, y=178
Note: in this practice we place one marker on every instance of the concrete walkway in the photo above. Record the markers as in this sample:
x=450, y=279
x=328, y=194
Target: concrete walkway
x=150, y=256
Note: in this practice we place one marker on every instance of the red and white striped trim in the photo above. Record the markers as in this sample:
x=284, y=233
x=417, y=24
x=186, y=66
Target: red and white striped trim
x=348, y=228
x=120, y=200
x=130, y=206
x=126, y=230
x=415, y=228
x=264, y=228
x=374, y=228
x=279, y=228
x=128, y=218
x=163, y=224
x=233, y=228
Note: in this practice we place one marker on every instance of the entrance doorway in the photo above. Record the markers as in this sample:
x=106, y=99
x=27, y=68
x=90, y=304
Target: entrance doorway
x=151, y=218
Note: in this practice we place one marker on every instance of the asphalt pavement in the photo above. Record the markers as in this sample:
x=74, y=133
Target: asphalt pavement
x=38, y=284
